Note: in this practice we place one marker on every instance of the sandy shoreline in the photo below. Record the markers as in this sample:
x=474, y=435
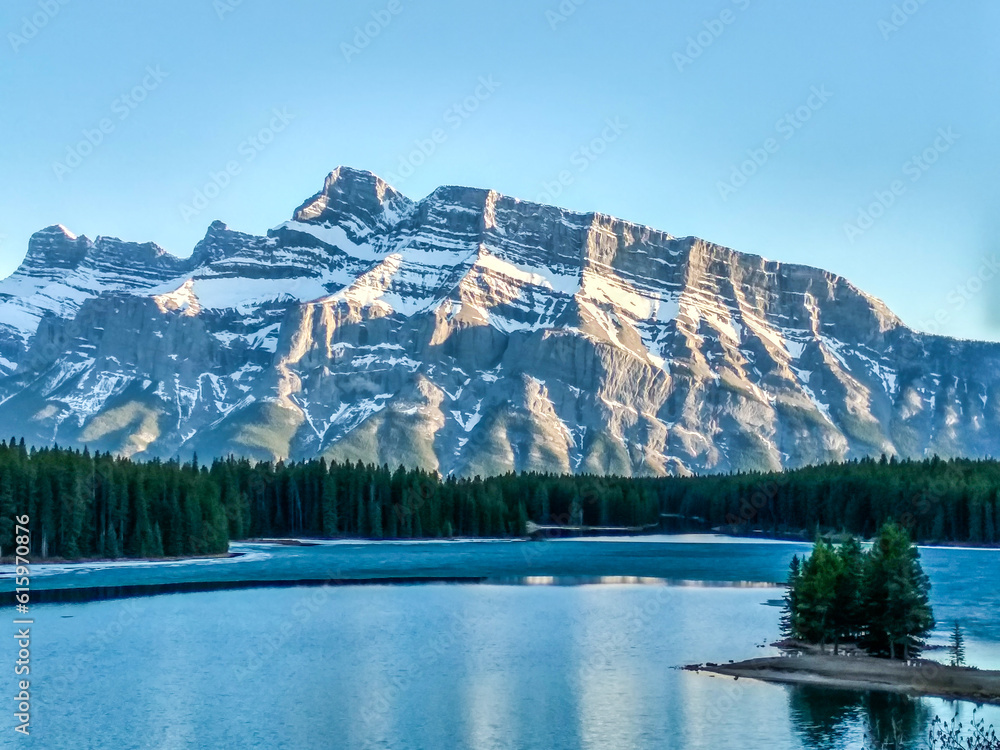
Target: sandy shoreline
x=919, y=677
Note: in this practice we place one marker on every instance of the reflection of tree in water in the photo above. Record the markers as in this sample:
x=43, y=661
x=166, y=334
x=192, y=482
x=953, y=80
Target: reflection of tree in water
x=896, y=722
x=823, y=717
x=835, y=719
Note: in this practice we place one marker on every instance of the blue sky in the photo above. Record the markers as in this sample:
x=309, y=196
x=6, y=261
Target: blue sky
x=858, y=136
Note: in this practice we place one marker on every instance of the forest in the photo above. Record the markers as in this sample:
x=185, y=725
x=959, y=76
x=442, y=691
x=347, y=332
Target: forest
x=85, y=505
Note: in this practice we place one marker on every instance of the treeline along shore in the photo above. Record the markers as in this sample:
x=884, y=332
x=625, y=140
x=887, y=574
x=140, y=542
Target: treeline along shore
x=96, y=505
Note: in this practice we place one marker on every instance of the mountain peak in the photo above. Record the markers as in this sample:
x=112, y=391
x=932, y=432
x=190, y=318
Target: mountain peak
x=54, y=250
x=352, y=194
x=58, y=229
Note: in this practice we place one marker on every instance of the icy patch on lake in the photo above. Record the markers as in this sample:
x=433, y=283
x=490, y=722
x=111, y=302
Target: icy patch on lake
x=241, y=553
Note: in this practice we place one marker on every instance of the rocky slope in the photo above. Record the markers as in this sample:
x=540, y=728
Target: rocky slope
x=472, y=333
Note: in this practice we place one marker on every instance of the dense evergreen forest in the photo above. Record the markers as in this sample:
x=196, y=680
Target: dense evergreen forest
x=84, y=505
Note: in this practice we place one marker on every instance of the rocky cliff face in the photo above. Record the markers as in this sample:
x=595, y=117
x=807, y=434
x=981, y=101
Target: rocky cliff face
x=473, y=333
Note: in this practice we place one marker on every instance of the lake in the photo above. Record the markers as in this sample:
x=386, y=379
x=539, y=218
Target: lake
x=559, y=644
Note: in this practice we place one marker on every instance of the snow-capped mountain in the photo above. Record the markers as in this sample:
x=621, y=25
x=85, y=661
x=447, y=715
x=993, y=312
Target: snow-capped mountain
x=470, y=332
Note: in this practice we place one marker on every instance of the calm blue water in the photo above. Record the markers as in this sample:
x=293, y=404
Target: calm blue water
x=478, y=666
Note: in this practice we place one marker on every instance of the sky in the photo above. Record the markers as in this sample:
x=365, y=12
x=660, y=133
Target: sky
x=857, y=136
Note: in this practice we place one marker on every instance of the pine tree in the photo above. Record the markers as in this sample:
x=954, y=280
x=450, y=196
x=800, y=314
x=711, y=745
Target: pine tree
x=576, y=512
x=540, y=512
x=816, y=596
x=896, y=595
x=789, y=628
x=7, y=513
x=329, y=505
x=848, y=614
x=140, y=541
x=957, y=647
x=374, y=512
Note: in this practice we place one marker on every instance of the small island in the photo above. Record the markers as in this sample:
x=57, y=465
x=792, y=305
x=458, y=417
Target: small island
x=857, y=620
x=916, y=677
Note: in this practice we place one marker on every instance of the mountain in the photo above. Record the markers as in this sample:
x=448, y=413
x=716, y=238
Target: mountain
x=473, y=333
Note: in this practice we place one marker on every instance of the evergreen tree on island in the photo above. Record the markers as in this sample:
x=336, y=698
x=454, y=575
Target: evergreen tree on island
x=957, y=647
x=896, y=596
x=848, y=615
x=816, y=598
x=879, y=598
x=791, y=598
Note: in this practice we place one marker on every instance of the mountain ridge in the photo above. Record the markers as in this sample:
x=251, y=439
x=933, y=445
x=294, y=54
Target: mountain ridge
x=472, y=332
